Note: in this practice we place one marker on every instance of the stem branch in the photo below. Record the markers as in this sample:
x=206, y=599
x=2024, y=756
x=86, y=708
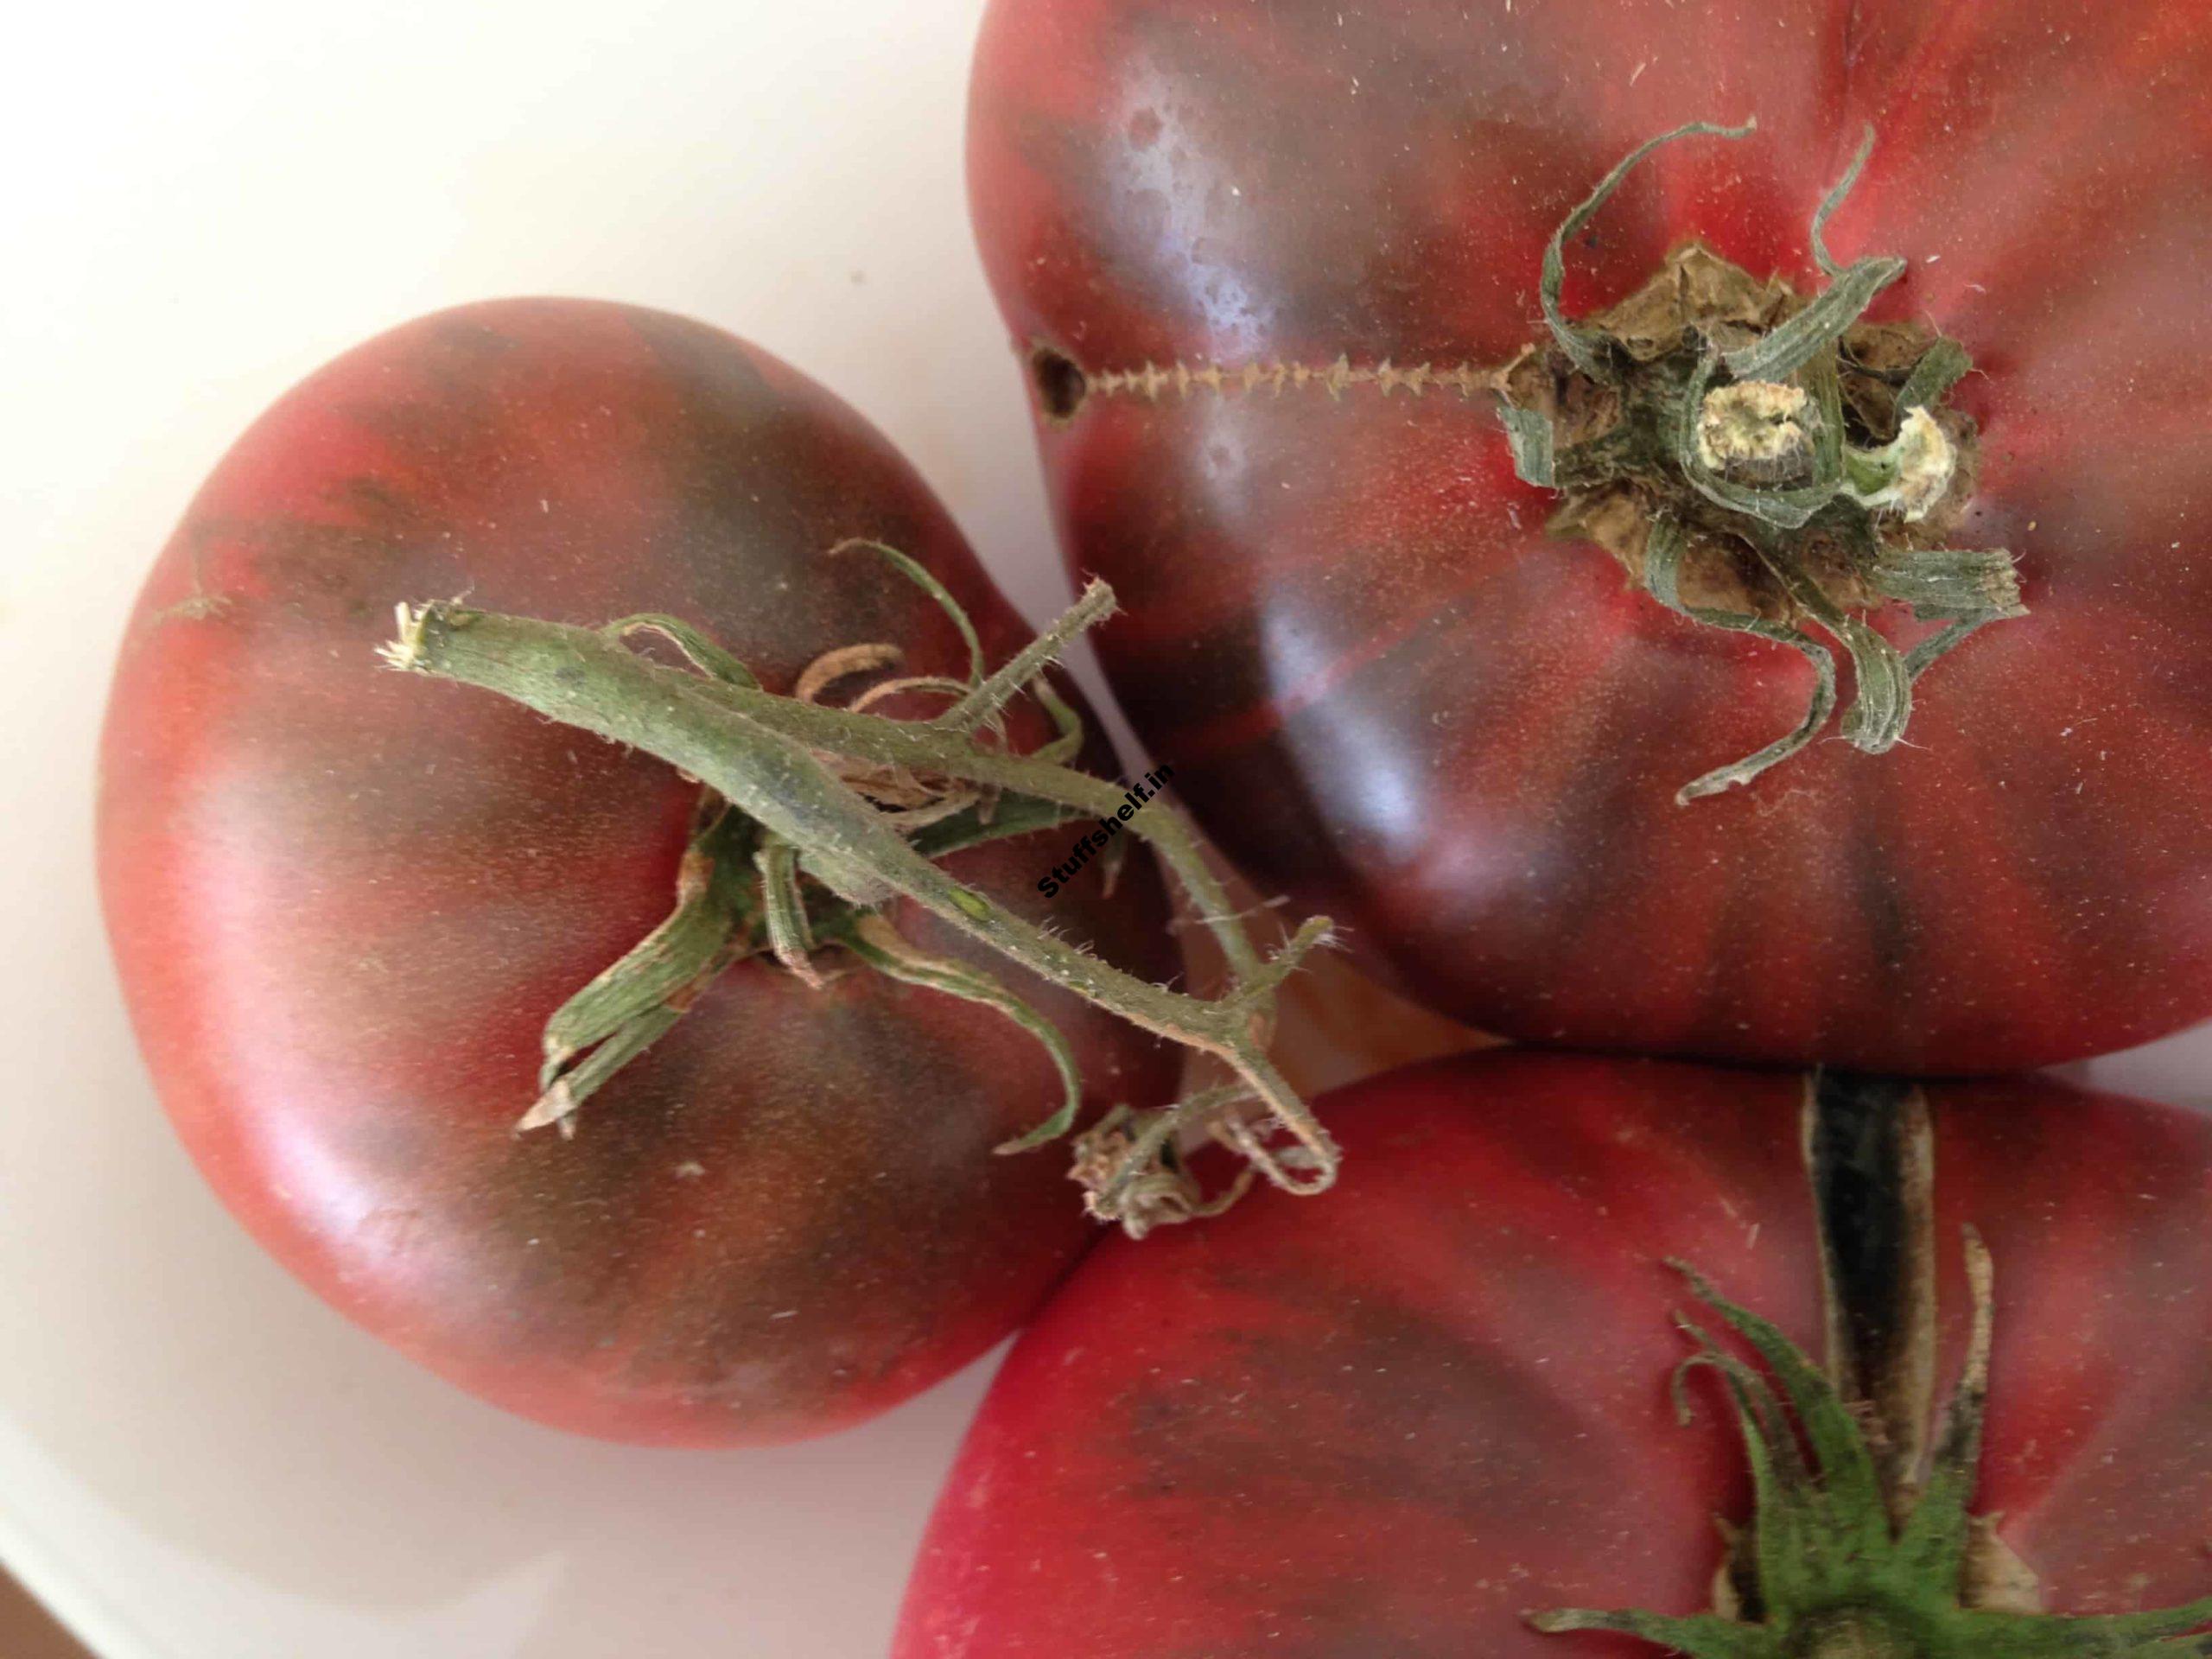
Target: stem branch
x=768, y=756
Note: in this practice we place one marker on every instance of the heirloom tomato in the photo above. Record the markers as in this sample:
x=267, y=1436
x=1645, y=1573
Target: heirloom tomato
x=1429, y=1414
x=346, y=902
x=1517, y=711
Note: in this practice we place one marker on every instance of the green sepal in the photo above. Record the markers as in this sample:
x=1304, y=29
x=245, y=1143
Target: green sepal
x=712, y=911
x=875, y=942
x=1788, y=509
x=1575, y=341
x=1881, y=702
x=1782, y=1483
x=1706, y=1635
x=1662, y=570
x=1932, y=650
x=1881, y=705
x=1012, y=815
x=687, y=945
x=1780, y=354
x=783, y=907
x=797, y=770
x=915, y=572
x=1835, y=1577
x=1529, y=435
x=1846, y=1523
x=1940, y=367
x=702, y=652
x=1651, y=445
x=2172, y=1633
x=1834, y=199
x=1967, y=590
x=1944, y=583
x=572, y=1088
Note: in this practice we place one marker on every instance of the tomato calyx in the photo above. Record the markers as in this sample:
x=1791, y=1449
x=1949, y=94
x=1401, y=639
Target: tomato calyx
x=1759, y=460
x=1765, y=462
x=815, y=819
x=1862, y=1543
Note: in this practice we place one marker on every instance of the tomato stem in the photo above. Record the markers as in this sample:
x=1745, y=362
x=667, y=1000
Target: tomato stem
x=1862, y=1543
x=1870, y=1156
x=796, y=775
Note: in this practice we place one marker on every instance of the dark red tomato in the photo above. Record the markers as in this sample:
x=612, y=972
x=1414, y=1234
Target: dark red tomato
x=1387, y=691
x=1392, y=1422
x=344, y=901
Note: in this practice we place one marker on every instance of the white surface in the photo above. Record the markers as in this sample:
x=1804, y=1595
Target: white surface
x=203, y=202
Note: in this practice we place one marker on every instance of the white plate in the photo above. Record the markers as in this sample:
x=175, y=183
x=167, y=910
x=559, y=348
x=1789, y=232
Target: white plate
x=197, y=1459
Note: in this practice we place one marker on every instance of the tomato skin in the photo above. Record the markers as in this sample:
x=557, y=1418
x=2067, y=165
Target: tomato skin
x=1389, y=693
x=1394, y=1421
x=344, y=901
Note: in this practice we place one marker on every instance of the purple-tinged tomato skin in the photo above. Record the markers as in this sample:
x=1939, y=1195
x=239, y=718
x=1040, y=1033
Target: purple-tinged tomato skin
x=1393, y=1421
x=344, y=901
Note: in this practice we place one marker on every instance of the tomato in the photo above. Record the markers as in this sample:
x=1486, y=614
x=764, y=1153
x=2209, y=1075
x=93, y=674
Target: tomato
x=1397, y=1421
x=344, y=901
x=1264, y=257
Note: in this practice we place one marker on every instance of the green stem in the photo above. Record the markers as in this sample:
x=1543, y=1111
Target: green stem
x=1001, y=687
x=762, y=753
x=923, y=748
x=1862, y=1543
